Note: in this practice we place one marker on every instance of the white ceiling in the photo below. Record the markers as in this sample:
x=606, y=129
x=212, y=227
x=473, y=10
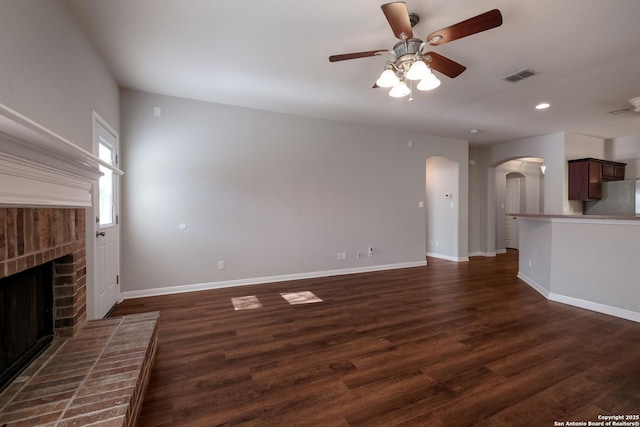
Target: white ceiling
x=273, y=55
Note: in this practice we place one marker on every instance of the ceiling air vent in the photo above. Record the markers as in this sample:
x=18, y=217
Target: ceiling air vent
x=519, y=75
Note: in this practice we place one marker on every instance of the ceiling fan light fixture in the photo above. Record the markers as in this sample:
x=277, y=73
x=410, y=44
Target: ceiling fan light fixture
x=409, y=63
x=418, y=70
x=400, y=90
x=429, y=83
x=387, y=79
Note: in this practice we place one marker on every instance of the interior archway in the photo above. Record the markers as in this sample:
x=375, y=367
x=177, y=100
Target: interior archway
x=530, y=183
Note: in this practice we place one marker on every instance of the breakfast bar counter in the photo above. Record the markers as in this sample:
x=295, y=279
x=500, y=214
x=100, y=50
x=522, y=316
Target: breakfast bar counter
x=587, y=261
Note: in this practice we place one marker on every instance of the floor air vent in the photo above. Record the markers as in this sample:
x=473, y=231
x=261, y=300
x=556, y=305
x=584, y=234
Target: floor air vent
x=519, y=75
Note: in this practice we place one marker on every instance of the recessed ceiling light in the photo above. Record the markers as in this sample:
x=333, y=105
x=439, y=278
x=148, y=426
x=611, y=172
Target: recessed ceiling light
x=543, y=106
x=473, y=131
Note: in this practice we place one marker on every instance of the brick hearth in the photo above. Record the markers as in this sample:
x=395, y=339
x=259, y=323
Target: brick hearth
x=96, y=378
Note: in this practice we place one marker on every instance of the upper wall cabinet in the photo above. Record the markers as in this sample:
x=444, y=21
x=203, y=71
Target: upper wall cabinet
x=586, y=176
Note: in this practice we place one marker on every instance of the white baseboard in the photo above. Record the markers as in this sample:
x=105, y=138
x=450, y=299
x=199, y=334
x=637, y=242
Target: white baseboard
x=447, y=257
x=595, y=306
x=484, y=254
x=501, y=251
x=535, y=285
x=576, y=302
x=261, y=280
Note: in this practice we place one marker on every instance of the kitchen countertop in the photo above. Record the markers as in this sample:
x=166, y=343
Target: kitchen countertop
x=582, y=217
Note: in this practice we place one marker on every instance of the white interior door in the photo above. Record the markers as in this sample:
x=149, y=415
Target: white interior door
x=512, y=206
x=107, y=252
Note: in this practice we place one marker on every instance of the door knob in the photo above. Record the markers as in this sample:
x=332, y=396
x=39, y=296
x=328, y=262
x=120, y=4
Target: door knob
x=100, y=233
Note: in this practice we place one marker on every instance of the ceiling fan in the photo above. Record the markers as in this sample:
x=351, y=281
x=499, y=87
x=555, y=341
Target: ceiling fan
x=635, y=102
x=409, y=62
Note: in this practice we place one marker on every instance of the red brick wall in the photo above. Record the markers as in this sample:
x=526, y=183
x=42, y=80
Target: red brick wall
x=33, y=236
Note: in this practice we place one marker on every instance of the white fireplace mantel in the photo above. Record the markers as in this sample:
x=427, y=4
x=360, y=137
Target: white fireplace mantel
x=41, y=168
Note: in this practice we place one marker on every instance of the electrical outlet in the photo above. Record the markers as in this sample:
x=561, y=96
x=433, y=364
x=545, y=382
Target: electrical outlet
x=359, y=254
x=220, y=265
x=370, y=251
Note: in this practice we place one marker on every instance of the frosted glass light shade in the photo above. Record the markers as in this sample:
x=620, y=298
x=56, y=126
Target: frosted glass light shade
x=418, y=71
x=387, y=79
x=429, y=83
x=400, y=90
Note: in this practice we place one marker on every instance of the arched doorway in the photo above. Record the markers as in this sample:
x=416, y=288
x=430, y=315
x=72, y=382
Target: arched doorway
x=519, y=188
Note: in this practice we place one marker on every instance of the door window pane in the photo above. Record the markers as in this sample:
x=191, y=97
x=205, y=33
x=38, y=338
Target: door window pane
x=106, y=185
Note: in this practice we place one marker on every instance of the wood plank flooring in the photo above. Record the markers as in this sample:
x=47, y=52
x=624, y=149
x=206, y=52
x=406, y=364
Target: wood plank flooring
x=450, y=344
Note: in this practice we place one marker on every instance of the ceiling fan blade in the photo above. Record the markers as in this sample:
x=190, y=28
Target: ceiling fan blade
x=398, y=17
x=444, y=65
x=477, y=24
x=345, y=56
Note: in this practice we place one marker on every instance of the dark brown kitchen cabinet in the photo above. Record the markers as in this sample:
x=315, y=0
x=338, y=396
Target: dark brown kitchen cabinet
x=612, y=171
x=586, y=177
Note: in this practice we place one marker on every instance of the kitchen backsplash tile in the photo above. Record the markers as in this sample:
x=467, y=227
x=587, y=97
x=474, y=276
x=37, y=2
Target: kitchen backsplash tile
x=618, y=198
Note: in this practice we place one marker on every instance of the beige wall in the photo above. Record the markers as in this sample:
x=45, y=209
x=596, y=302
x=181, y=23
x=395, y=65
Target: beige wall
x=270, y=194
x=50, y=72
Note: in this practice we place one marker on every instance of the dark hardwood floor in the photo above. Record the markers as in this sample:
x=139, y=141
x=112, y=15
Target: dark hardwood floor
x=451, y=344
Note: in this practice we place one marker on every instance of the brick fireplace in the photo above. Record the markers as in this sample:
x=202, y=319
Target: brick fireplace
x=94, y=372
x=33, y=236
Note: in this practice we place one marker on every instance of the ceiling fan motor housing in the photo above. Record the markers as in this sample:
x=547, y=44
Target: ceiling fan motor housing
x=406, y=51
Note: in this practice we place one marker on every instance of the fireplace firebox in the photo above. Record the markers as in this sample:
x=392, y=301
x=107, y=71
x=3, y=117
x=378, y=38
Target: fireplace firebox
x=44, y=246
x=26, y=319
